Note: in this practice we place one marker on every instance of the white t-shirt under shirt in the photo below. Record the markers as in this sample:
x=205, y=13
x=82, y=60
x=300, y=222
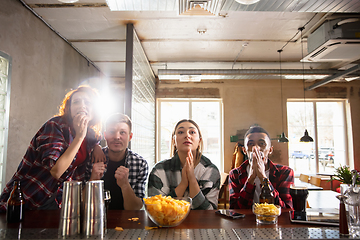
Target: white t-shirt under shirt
x=257, y=182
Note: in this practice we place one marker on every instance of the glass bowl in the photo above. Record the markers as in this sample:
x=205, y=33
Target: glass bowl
x=167, y=211
x=266, y=213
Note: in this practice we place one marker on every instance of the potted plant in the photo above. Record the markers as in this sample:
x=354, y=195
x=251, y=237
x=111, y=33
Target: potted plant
x=343, y=175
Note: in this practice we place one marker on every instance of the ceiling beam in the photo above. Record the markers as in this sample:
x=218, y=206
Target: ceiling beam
x=334, y=77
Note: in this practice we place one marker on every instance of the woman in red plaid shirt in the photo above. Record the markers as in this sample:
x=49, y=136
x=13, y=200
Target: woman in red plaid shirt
x=245, y=181
x=58, y=152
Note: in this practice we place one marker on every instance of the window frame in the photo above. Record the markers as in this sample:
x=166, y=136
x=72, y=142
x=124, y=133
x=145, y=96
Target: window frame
x=347, y=129
x=190, y=101
x=6, y=117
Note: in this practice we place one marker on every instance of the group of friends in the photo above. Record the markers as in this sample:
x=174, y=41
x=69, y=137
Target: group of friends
x=66, y=148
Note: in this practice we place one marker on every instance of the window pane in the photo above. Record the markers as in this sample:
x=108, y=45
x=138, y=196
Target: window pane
x=331, y=137
x=4, y=112
x=143, y=105
x=301, y=154
x=207, y=116
x=206, y=113
x=171, y=113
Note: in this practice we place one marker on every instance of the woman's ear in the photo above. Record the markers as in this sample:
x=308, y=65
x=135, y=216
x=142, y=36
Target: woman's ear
x=173, y=141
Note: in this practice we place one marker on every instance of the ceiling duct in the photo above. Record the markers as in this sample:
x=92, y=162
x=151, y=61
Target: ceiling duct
x=335, y=41
x=199, y=7
x=190, y=78
x=217, y=74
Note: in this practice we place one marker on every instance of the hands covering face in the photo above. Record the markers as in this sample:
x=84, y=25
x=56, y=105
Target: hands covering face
x=258, y=163
x=80, y=123
x=81, y=112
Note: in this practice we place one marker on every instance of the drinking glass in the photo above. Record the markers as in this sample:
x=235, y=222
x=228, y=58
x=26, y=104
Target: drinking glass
x=353, y=217
x=299, y=195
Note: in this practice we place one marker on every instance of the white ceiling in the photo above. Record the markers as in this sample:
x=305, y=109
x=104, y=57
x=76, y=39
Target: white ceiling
x=244, y=37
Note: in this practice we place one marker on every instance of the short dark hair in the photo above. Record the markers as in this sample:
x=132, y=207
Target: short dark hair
x=256, y=129
x=118, y=118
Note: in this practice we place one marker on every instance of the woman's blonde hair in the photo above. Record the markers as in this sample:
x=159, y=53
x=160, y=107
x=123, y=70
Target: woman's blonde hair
x=64, y=108
x=199, y=148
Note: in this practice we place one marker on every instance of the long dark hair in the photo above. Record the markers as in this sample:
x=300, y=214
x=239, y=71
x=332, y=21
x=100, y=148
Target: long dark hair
x=201, y=145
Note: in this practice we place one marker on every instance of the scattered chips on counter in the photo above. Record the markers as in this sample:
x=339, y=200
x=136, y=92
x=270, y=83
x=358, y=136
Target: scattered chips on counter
x=119, y=229
x=149, y=228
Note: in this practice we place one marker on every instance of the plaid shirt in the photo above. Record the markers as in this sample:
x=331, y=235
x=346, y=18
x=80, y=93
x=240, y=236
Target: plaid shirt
x=138, y=171
x=166, y=176
x=242, y=192
x=46, y=147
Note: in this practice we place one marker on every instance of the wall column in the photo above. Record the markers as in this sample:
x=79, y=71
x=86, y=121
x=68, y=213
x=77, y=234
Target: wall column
x=129, y=68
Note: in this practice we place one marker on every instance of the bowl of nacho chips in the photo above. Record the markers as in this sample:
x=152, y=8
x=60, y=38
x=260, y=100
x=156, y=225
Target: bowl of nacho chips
x=266, y=213
x=166, y=211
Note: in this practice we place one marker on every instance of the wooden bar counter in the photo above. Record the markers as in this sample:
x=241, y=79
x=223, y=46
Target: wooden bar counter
x=200, y=224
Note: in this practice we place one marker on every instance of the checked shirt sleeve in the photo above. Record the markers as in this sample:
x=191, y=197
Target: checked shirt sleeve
x=142, y=173
x=281, y=187
x=34, y=170
x=241, y=192
x=50, y=143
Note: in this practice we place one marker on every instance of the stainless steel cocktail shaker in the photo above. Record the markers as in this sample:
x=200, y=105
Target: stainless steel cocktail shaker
x=94, y=209
x=70, y=211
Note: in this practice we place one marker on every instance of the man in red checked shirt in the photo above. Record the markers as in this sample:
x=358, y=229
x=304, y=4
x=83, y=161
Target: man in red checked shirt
x=245, y=181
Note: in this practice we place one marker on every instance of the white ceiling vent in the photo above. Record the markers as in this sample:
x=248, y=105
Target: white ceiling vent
x=335, y=41
x=335, y=50
x=199, y=7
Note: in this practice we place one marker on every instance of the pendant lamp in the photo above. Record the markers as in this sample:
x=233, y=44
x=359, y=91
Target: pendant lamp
x=247, y=2
x=283, y=138
x=306, y=137
x=68, y=1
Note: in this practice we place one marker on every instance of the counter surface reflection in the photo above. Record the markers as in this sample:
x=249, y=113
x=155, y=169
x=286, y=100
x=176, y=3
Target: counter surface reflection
x=200, y=224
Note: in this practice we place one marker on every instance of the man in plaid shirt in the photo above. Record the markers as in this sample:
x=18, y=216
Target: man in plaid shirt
x=245, y=181
x=124, y=172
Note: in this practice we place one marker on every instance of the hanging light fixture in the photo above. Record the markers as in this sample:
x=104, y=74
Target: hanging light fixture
x=247, y=2
x=283, y=138
x=306, y=137
x=68, y=1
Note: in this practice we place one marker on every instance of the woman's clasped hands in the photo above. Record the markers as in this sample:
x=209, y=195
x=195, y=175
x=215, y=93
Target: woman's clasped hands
x=188, y=169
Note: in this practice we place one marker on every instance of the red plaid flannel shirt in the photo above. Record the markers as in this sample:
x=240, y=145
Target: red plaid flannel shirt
x=46, y=147
x=242, y=193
